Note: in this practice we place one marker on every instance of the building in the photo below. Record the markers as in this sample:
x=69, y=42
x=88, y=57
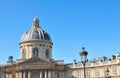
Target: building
x=102, y=67
x=36, y=60
x=35, y=57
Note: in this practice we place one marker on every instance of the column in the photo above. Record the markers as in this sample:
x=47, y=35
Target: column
x=20, y=74
x=10, y=76
x=27, y=52
x=24, y=74
x=63, y=74
x=6, y=75
x=60, y=74
x=3, y=75
x=28, y=74
x=45, y=74
x=20, y=52
x=16, y=75
x=53, y=74
x=40, y=74
x=49, y=74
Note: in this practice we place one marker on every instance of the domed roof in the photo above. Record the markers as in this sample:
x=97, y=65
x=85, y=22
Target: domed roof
x=35, y=33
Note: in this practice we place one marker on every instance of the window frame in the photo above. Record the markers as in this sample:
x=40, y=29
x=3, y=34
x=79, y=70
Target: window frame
x=47, y=53
x=35, y=52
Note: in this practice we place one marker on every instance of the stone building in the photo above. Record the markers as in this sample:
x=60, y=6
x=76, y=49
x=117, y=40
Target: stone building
x=35, y=57
x=102, y=67
x=36, y=60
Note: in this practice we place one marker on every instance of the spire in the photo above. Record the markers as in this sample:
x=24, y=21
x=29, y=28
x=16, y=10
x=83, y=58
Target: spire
x=35, y=22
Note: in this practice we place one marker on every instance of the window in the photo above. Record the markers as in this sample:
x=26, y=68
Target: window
x=97, y=73
x=35, y=52
x=24, y=54
x=105, y=71
x=79, y=73
x=88, y=73
x=70, y=74
x=114, y=70
x=47, y=53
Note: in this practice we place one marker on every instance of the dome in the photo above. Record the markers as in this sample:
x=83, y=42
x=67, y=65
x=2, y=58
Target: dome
x=35, y=33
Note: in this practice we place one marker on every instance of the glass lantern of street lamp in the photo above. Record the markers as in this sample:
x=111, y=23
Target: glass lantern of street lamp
x=83, y=55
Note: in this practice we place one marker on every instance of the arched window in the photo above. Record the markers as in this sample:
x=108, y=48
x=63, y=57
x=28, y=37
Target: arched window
x=47, y=53
x=24, y=54
x=35, y=52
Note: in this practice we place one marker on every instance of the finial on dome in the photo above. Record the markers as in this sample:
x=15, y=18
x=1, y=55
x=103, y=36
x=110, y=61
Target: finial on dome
x=36, y=22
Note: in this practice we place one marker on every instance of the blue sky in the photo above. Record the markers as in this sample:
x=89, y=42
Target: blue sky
x=72, y=24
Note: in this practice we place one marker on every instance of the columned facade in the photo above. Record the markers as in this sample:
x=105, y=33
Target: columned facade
x=36, y=74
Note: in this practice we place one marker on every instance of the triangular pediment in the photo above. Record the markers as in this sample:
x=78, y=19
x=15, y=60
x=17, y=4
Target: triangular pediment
x=36, y=60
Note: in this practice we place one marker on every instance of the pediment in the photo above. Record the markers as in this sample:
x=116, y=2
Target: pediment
x=36, y=60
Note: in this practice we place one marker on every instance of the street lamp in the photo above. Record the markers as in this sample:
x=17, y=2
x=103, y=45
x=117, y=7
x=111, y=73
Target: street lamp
x=83, y=55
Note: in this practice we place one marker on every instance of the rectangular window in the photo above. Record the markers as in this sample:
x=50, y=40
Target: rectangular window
x=79, y=73
x=88, y=73
x=97, y=72
x=70, y=74
x=114, y=70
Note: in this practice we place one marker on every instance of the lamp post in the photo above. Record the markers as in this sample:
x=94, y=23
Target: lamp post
x=83, y=55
